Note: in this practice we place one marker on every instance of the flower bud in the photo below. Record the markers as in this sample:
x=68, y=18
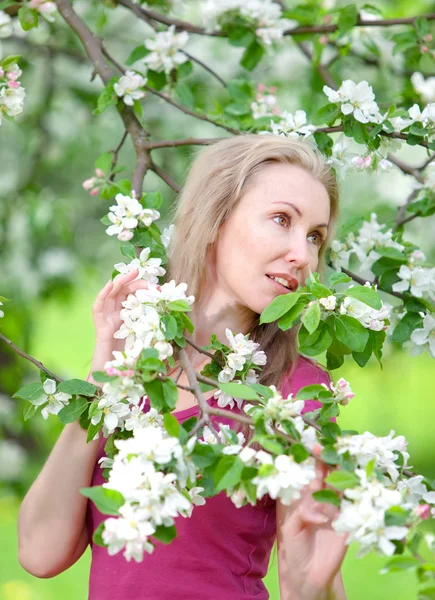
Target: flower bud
x=323, y=40
x=261, y=87
x=88, y=184
x=424, y=49
x=125, y=236
x=428, y=37
x=94, y=192
x=422, y=511
x=99, y=173
x=14, y=85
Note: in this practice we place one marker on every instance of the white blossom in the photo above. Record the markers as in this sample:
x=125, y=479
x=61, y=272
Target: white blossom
x=6, y=29
x=54, y=401
x=357, y=99
x=166, y=50
x=128, y=87
x=293, y=126
x=328, y=303
x=11, y=101
x=167, y=235
x=149, y=268
x=424, y=336
x=419, y=281
x=45, y=8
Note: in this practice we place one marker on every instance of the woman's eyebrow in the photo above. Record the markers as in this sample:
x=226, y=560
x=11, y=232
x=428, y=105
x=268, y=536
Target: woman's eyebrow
x=297, y=210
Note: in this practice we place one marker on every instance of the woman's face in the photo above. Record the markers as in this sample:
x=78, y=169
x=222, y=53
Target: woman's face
x=277, y=228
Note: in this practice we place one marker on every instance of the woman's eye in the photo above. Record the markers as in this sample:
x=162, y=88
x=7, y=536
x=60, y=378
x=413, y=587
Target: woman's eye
x=284, y=218
x=319, y=239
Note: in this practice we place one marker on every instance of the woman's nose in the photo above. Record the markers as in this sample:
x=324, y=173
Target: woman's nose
x=298, y=254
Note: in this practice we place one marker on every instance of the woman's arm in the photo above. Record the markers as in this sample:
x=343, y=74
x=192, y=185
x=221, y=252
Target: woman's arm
x=310, y=552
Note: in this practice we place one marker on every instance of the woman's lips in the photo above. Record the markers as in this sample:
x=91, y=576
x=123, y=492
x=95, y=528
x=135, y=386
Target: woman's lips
x=281, y=288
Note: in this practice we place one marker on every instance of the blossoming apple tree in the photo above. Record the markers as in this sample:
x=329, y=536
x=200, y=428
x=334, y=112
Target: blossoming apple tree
x=157, y=469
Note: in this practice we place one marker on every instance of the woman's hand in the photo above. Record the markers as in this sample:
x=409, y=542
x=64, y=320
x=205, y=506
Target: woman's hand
x=106, y=314
x=310, y=552
x=108, y=305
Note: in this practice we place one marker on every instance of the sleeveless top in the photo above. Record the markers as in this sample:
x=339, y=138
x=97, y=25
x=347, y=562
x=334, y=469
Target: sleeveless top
x=220, y=553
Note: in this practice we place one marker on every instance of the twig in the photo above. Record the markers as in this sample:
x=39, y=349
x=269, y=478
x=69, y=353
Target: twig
x=116, y=152
x=199, y=349
x=155, y=144
x=29, y=358
x=164, y=176
x=415, y=172
x=401, y=219
x=187, y=111
x=321, y=69
x=206, y=67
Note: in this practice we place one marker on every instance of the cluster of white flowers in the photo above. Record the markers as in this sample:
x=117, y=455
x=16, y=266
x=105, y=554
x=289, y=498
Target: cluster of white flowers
x=54, y=401
x=369, y=317
x=265, y=15
x=166, y=50
x=142, y=326
x=345, y=159
x=12, y=93
x=265, y=104
x=244, y=351
x=426, y=117
x=149, y=268
x=357, y=99
x=366, y=447
x=292, y=126
x=277, y=410
x=45, y=8
x=151, y=471
x=364, y=244
x=223, y=438
x=127, y=214
x=420, y=281
x=362, y=516
x=282, y=477
x=424, y=87
x=128, y=87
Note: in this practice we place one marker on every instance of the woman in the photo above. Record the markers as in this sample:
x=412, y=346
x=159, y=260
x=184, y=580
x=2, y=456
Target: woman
x=254, y=209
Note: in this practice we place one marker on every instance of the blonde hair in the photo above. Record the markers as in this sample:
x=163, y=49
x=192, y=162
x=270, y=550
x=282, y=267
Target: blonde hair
x=218, y=177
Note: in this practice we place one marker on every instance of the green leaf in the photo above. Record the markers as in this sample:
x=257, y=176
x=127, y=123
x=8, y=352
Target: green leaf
x=348, y=18
x=366, y=295
x=228, y=472
x=327, y=497
x=165, y=534
x=299, y=452
x=311, y=318
x=319, y=290
x=102, y=376
x=73, y=410
x=93, y=429
x=278, y=307
x=185, y=94
x=237, y=110
x=107, y=97
x=330, y=455
x=289, y=318
x=406, y=326
x=30, y=392
x=252, y=55
x=392, y=253
x=107, y=501
x=240, y=90
x=29, y=411
x=170, y=324
x=162, y=394
x=327, y=114
x=104, y=162
x=204, y=455
x=312, y=392
x=396, y=516
x=8, y=62
x=137, y=54
x=238, y=390
x=342, y=480
x=270, y=444
x=28, y=17
x=185, y=69
x=156, y=80
x=171, y=424
x=77, y=387
x=351, y=333
x=400, y=563
x=97, y=536
x=179, y=305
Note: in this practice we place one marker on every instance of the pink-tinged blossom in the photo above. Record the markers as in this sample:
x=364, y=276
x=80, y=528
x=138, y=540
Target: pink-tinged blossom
x=45, y=9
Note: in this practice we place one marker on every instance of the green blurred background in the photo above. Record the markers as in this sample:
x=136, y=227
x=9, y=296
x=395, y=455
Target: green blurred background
x=55, y=255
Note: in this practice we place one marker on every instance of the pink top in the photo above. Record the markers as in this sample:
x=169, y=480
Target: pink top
x=221, y=552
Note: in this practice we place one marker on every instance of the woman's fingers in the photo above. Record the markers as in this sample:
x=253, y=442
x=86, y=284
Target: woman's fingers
x=102, y=296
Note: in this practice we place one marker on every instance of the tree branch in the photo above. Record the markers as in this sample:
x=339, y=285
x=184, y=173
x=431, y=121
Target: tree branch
x=155, y=144
x=187, y=111
x=164, y=176
x=23, y=354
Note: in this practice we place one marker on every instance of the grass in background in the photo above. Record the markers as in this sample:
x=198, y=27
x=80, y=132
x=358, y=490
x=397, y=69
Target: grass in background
x=401, y=397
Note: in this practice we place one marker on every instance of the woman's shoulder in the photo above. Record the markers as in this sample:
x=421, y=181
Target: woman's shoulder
x=306, y=372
